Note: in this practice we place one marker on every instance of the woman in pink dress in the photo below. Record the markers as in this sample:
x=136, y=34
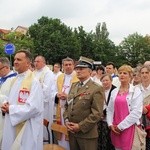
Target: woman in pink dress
x=124, y=110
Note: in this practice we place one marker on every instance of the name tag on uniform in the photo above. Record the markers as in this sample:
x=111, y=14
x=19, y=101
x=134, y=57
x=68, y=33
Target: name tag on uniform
x=23, y=96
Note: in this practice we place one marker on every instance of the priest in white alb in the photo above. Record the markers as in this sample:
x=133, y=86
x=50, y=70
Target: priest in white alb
x=23, y=126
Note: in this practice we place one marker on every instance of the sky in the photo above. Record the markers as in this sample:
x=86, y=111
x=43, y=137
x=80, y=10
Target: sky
x=122, y=17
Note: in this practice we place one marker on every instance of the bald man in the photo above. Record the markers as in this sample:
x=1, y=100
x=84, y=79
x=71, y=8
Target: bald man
x=45, y=76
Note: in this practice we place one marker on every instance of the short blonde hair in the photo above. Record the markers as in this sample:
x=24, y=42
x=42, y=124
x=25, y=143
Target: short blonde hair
x=126, y=68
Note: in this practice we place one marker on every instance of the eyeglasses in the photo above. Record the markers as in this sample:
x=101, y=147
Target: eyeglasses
x=2, y=67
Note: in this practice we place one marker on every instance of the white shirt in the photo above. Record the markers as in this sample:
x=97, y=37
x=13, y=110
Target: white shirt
x=97, y=80
x=115, y=81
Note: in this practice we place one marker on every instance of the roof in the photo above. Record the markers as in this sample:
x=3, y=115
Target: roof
x=25, y=28
x=5, y=31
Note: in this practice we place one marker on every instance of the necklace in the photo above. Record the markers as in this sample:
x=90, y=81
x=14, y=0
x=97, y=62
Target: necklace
x=123, y=91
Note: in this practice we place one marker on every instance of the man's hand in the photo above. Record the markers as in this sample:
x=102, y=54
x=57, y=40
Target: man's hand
x=72, y=127
x=5, y=108
x=75, y=127
x=69, y=127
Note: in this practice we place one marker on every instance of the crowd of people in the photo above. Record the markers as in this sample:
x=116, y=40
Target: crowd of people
x=99, y=106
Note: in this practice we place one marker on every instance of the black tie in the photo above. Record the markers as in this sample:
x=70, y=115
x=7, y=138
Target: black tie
x=80, y=85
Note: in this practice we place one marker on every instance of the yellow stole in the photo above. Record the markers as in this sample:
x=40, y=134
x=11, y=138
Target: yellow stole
x=25, y=87
x=60, y=82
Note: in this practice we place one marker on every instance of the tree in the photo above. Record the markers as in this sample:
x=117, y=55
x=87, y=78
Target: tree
x=53, y=39
x=85, y=41
x=19, y=40
x=2, y=44
x=104, y=49
x=135, y=49
x=146, y=55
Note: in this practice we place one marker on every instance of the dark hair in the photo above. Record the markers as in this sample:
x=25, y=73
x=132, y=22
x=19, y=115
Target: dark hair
x=27, y=54
x=58, y=64
x=100, y=68
x=5, y=61
x=111, y=63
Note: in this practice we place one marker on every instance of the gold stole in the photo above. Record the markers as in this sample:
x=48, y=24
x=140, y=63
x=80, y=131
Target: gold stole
x=60, y=82
x=25, y=86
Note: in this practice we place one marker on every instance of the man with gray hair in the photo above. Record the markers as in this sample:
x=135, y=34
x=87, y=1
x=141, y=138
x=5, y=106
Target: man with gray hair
x=84, y=108
x=147, y=63
x=45, y=76
x=5, y=73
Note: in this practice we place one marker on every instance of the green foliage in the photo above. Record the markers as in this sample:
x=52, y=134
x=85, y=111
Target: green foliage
x=54, y=40
x=134, y=49
x=19, y=40
x=2, y=44
x=104, y=49
x=85, y=41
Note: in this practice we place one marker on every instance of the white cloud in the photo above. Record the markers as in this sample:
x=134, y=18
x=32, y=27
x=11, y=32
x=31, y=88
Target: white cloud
x=122, y=17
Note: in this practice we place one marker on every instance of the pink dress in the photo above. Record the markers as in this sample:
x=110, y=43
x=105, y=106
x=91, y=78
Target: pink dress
x=124, y=140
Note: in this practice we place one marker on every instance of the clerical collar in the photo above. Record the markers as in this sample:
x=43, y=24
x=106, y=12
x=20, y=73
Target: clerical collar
x=69, y=75
x=22, y=74
x=40, y=70
x=56, y=73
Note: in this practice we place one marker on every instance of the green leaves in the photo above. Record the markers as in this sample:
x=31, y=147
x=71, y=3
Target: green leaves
x=135, y=49
x=55, y=41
